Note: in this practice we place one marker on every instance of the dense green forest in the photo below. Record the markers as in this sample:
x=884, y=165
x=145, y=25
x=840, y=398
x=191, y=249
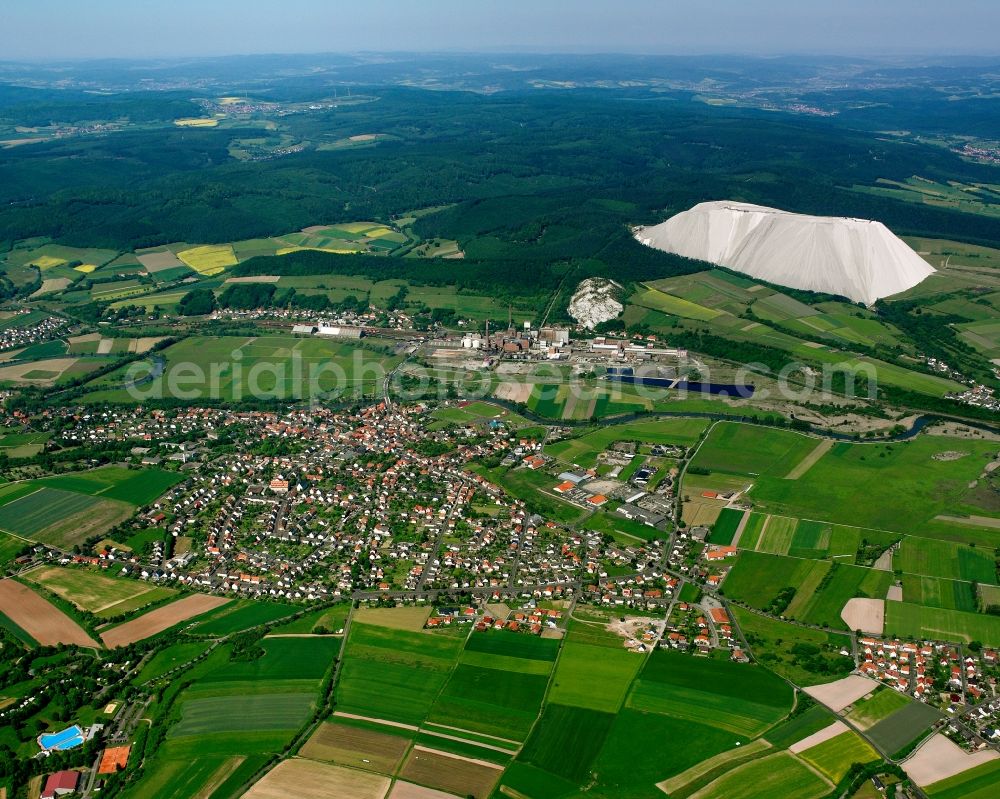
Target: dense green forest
x=550, y=173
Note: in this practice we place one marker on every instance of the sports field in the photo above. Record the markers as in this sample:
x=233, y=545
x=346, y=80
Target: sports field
x=101, y=595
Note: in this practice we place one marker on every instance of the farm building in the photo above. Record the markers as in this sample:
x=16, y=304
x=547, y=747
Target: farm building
x=638, y=514
x=341, y=331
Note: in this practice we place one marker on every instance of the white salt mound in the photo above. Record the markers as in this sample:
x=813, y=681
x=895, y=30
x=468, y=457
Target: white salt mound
x=855, y=258
x=594, y=302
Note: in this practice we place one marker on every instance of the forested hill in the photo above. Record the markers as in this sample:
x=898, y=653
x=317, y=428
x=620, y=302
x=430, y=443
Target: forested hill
x=542, y=155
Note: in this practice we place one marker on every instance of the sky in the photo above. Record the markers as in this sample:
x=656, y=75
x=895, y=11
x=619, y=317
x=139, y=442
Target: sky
x=73, y=29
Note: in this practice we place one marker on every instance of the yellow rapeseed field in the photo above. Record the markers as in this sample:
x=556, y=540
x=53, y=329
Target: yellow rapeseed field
x=210, y=259
x=194, y=122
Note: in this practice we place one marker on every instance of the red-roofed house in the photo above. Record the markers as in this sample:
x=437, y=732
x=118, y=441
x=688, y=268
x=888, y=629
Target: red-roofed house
x=60, y=784
x=719, y=615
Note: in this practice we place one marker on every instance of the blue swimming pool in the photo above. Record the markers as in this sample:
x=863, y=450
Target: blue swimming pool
x=67, y=739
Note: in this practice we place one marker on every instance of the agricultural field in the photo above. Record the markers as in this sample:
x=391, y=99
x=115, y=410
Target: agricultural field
x=280, y=366
x=592, y=676
x=780, y=774
x=241, y=615
x=975, y=783
x=352, y=745
x=900, y=728
x=103, y=596
x=800, y=654
x=160, y=619
x=319, y=622
x=881, y=704
x=972, y=199
x=824, y=592
x=776, y=537
x=136, y=486
x=40, y=619
x=936, y=592
x=183, y=774
x=583, y=450
x=566, y=741
x=170, y=658
x=753, y=530
x=907, y=485
x=448, y=772
x=743, y=699
x=10, y=548
x=495, y=692
x=234, y=715
x=744, y=449
x=918, y=621
x=945, y=559
x=22, y=445
x=61, y=518
x=834, y=757
x=725, y=526
x=758, y=578
x=394, y=674
x=308, y=778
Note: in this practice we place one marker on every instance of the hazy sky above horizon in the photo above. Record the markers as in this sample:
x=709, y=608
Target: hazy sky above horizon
x=52, y=29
